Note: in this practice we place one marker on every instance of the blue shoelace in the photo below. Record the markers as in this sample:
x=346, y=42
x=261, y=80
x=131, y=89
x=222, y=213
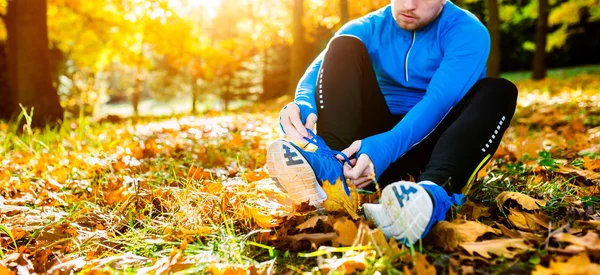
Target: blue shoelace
x=323, y=151
x=321, y=146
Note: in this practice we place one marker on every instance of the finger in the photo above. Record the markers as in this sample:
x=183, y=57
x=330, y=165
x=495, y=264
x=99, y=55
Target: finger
x=365, y=184
x=295, y=120
x=290, y=130
x=351, y=150
x=311, y=120
x=359, y=168
x=361, y=180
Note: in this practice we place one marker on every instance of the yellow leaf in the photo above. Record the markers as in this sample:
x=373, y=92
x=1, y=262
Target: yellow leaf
x=346, y=230
x=450, y=234
x=337, y=199
x=579, y=264
x=507, y=248
x=525, y=201
x=587, y=174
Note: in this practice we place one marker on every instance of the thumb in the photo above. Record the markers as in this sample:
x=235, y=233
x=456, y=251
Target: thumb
x=311, y=120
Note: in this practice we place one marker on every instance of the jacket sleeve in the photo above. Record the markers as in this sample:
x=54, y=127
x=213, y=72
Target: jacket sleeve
x=466, y=49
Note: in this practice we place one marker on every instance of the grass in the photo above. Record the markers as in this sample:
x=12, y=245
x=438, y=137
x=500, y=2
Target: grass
x=107, y=190
x=557, y=73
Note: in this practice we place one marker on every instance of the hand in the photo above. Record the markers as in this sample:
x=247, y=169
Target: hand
x=292, y=124
x=362, y=172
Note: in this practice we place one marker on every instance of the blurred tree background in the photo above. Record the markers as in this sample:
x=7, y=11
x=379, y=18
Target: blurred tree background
x=76, y=57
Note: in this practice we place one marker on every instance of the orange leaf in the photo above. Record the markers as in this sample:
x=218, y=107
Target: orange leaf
x=591, y=165
x=5, y=271
x=252, y=176
x=197, y=173
x=337, y=199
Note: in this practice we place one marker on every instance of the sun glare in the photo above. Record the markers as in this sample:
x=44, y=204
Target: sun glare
x=210, y=6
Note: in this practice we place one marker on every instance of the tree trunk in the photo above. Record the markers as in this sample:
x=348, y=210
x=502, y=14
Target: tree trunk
x=194, y=86
x=344, y=15
x=298, y=62
x=29, y=62
x=6, y=95
x=493, y=64
x=541, y=34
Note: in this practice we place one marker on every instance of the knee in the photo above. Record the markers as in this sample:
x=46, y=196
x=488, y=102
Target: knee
x=347, y=46
x=501, y=89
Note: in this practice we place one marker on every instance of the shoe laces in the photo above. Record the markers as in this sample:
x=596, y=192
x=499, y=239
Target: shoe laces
x=323, y=148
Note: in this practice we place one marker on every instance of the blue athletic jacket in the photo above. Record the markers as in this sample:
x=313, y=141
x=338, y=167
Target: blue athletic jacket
x=422, y=74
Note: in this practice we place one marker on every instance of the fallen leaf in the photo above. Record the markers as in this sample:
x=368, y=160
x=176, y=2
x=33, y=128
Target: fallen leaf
x=346, y=230
x=312, y=222
x=315, y=238
x=529, y=222
x=474, y=211
x=507, y=248
x=375, y=237
x=338, y=200
x=422, y=267
x=587, y=174
x=68, y=267
x=525, y=201
x=5, y=271
x=449, y=235
x=519, y=234
x=590, y=164
x=575, y=265
x=263, y=219
x=253, y=176
x=346, y=264
x=589, y=242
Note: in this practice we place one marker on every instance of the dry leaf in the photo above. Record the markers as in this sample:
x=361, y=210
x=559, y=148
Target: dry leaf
x=507, y=248
x=587, y=174
x=337, y=199
x=590, y=164
x=589, y=242
x=576, y=265
x=529, y=222
x=316, y=238
x=519, y=234
x=253, y=176
x=5, y=271
x=312, y=222
x=263, y=219
x=525, y=201
x=450, y=234
x=422, y=267
x=474, y=211
x=346, y=264
x=375, y=237
x=346, y=230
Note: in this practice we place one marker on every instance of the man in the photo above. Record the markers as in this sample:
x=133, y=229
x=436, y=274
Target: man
x=403, y=92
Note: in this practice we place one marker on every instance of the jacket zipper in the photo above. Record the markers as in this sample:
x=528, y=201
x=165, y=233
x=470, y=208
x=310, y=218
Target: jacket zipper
x=407, y=54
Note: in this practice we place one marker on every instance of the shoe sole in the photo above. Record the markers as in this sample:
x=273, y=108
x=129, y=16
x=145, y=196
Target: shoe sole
x=292, y=173
x=403, y=213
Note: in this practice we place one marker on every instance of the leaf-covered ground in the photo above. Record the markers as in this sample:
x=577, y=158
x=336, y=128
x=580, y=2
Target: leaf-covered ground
x=189, y=195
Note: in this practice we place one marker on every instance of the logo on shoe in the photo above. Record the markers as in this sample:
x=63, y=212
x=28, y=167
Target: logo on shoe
x=289, y=155
x=405, y=193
